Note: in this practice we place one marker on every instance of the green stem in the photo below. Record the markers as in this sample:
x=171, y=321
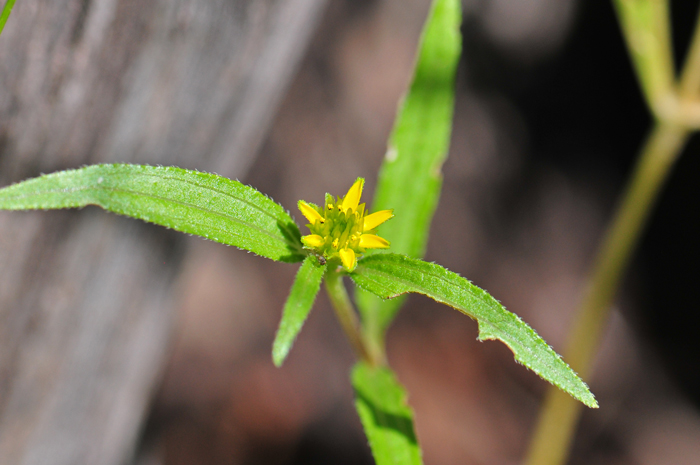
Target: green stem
x=346, y=315
x=556, y=425
x=6, y=13
x=375, y=335
x=554, y=432
x=690, y=79
x=645, y=26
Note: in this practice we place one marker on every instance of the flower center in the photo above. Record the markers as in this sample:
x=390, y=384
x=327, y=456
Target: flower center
x=340, y=229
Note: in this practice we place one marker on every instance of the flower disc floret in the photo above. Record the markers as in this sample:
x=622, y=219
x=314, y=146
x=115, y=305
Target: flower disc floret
x=342, y=229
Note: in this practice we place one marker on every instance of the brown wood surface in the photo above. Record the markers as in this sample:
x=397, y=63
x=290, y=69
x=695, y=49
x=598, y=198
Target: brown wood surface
x=85, y=296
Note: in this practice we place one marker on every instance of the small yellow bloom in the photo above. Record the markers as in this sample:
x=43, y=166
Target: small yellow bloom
x=342, y=229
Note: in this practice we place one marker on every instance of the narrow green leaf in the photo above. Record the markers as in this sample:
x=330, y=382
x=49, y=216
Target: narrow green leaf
x=390, y=275
x=6, y=13
x=386, y=418
x=410, y=178
x=198, y=203
x=301, y=299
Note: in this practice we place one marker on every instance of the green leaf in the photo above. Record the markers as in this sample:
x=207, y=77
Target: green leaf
x=386, y=418
x=203, y=204
x=390, y=275
x=410, y=178
x=6, y=13
x=301, y=299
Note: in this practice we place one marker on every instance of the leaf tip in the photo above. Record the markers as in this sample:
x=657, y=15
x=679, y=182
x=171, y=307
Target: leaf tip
x=586, y=397
x=560, y=375
x=279, y=354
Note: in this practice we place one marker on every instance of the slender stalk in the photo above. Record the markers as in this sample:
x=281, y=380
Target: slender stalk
x=690, y=79
x=374, y=336
x=645, y=26
x=554, y=432
x=556, y=425
x=346, y=315
x=6, y=13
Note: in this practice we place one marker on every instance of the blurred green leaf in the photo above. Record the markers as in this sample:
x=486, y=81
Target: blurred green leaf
x=203, y=204
x=410, y=178
x=301, y=299
x=6, y=13
x=390, y=275
x=387, y=419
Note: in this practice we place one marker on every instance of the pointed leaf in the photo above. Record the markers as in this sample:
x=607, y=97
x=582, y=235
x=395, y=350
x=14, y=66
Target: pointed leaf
x=410, y=178
x=301, y=299
x=390, y=275
x=6, y=13
x=386, y=418
x=198, y=203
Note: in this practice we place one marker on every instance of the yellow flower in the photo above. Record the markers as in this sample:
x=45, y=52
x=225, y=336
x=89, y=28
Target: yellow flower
x=342, y=229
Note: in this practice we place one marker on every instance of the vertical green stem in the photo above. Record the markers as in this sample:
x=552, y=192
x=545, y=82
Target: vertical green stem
x=690, y=78
x=6, y=13
x=658, y=154
x=554, y=432
x=639, y=19
x=374, y=335
x=346, y=315
x=646, y=28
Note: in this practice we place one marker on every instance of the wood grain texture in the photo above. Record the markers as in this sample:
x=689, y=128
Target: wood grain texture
x=86, y=297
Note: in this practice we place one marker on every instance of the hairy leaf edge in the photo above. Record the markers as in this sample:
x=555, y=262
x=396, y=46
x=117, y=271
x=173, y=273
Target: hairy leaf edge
x=485, y=333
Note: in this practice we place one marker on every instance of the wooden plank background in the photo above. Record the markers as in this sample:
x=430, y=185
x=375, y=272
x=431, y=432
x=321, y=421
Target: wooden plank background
x=86, y=297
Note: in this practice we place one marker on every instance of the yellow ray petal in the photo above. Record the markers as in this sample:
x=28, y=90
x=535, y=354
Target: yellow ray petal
x=372, y=241
x=352, y=198
x=347, y=256
x=309, y=212
x=377, y=218
x=313, y=240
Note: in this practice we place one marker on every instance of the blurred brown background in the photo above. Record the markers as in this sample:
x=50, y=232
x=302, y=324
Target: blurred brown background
x=177, y=359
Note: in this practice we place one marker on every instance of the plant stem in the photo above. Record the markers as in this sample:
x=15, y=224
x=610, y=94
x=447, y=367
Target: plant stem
x=646, y=28
x=554, y=432
x=346, y=315
x=375, y=335
x=556, y=424
x=690, y=78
